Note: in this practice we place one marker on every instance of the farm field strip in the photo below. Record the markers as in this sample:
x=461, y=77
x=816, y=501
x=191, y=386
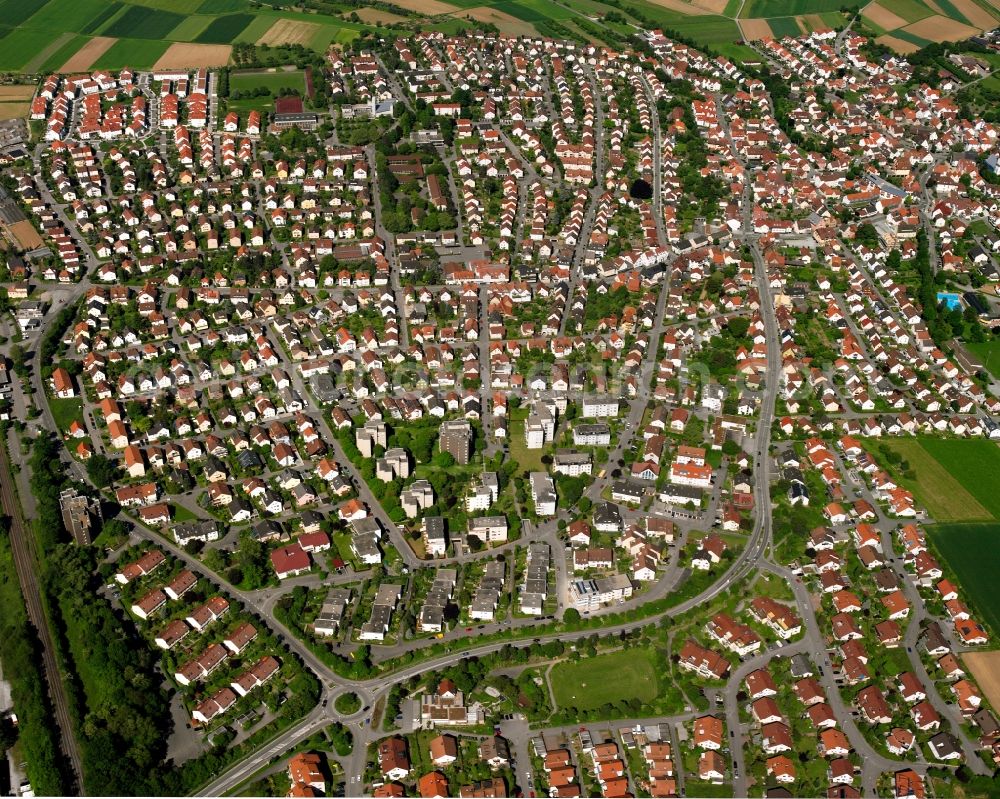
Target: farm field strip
x=135, y=53
x=83, y=58
x=20, y=46
x=680, y=6
x=883, y=17
x=941, y=29
x=45, y=54
x=225, y=29
x=432, y=8
x=191, y=54
x=897, y=44
x=758, y=9
x=910, y=10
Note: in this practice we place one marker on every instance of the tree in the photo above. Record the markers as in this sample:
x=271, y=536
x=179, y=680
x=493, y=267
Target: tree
x=738, y=326
x=101, y=470
x=443, y=460
x=571, y=616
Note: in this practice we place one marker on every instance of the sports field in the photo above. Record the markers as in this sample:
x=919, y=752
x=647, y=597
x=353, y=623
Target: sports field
x=972, y=552
x=590, y=683
x=275, y=81
x=989, y=353
x=957, y=480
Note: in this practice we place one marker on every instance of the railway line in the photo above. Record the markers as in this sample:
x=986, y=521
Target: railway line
x=25, y=561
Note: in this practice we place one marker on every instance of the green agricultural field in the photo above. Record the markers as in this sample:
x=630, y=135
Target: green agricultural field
x=710, y=30
x=910, y=10
x=784, y=26
x=547, y=8
x=974, y=463
x=20, y=46
x=224, y=30
x=140, y=22
x=63, y=54
x=96, y=23
x=222, y=6
x=910, y=37
x=61, y=16
x=256, y=29
x=605, y=679
x=190, y=28
x=134, y=53
x=519, y=10
x=956, y=480
x=177, y=6
x=14, y=13
x=951, y=12
x=972, y=552
x=783, y=8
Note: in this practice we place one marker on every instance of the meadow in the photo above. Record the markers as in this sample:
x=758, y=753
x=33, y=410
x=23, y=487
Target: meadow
x=606, y=679
x=972, y=553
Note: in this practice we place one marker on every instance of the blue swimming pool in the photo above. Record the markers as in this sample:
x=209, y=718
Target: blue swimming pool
x=952, y=301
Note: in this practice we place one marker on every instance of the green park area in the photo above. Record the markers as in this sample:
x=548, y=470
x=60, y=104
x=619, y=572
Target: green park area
x=606, y=679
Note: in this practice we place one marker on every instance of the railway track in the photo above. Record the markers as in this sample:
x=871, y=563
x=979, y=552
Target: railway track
x=25, y=560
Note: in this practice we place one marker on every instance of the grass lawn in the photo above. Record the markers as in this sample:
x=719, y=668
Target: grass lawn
x=342, y=541
x=972, y=552
x=530, y=460
x=590, y=683
x=708, y=790
x=66, y=411
x=953, y=479
x=182, y=514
